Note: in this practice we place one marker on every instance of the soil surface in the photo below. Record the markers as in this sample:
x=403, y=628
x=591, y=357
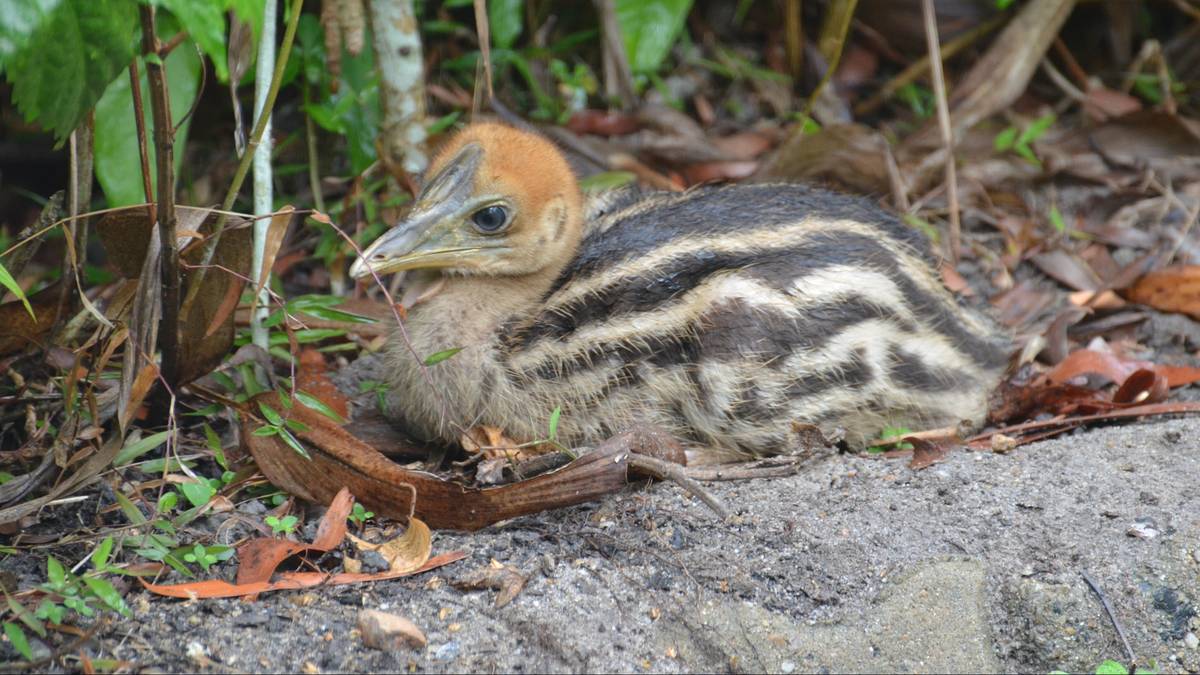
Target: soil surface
x=975, y=564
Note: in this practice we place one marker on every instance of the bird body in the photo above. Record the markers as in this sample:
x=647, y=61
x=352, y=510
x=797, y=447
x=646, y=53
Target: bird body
x=721, y=315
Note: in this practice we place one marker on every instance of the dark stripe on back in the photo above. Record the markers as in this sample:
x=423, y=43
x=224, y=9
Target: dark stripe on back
x=732, y=333
x=776, y=267
x=853, y=373
x=733, y=209
x=909, y=371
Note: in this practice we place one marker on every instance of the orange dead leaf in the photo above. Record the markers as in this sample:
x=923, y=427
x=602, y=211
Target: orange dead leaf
x=216, y=588
x=260, y=557
x=1173, y=289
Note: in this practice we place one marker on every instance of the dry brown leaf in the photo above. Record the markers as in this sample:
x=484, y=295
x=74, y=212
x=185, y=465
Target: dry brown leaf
x=1173, y=289
x=389, y=632
x=504, y=578
x=260, y=557
x=339, y=459
x=404, y=553
x=275, y=232
x=22, y=331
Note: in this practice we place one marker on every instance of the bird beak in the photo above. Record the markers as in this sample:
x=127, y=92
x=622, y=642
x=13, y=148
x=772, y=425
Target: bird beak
x=431, y=236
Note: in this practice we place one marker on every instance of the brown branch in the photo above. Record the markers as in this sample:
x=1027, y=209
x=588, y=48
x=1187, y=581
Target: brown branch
x=164, y=150
x=669, y=470
x=139, y=117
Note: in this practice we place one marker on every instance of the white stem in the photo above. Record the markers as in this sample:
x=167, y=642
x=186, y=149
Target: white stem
x=402, y=82
x=263, y=199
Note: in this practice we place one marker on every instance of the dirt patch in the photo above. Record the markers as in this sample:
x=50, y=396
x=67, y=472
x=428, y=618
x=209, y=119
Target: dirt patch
x=858, y=564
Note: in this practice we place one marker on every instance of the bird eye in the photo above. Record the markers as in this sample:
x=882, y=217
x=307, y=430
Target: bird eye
x=490, y=219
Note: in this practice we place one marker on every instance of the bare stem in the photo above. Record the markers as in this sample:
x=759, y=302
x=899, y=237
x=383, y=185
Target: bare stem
x=943, y=108
x=210, y=246
x=139, y=117
x=164, y=149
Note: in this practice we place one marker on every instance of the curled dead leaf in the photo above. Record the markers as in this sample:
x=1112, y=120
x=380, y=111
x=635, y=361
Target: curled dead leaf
x=404, y=553
x=503, y=578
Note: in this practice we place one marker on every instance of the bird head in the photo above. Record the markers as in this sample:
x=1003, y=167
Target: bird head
x=499, y=202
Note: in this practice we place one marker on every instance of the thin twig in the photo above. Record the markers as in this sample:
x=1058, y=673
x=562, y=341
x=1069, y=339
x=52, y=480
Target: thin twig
x=164, y=147
x=671, y=471
x=210, y=248
x=484, y=31
x=921, y=66
x=1111, y=616
x=939, y=90
x=139, y=121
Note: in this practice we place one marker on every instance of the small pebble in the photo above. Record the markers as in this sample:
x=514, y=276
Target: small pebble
x=1191, y=641
x=1142, y=531
x=787, y=667
x=389, y=632
x=447, y=651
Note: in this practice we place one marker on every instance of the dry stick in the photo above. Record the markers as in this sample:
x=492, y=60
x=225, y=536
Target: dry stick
x=139, y=117
x=921, y=66
x=939, y=90
x=210, y=247
x=669, y=470
x=164, y=148
x=1111, y=616
x=484, y=31
x=835, y=22
x=795, y=38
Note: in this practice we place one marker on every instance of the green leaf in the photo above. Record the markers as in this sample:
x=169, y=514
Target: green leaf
x=318, y=405
x=1056, y=219
x=552, y=431
x=138, y=448
x=7, y=281
x=291, y=441
x=213, y=441
x=68, y=53
x=204, y=21
x=438, y=357
x=506, y=21
x=101, y=554
x=118, y=161
x=1036, y=129
x=197, y=492
x=55, y=574
x=649, y=29
x=1005, y=139
x=131, y=511
x=107, y=594
x=1110, y=667
x=272, y=416
x=19, y=642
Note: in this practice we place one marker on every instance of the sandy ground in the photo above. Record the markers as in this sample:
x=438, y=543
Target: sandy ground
x=857, y=564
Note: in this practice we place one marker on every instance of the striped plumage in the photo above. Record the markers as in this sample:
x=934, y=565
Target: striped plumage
x=721, y=315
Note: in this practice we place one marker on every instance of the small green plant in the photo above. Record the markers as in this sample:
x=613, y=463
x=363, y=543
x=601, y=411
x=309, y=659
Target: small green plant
x=918, y=98
x=887, y=438
x=283, y=526
x=67, y=593
x=360, y=515
x=437, y=357
x=278, y=426
x=207, y=556
x=1018, y=140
